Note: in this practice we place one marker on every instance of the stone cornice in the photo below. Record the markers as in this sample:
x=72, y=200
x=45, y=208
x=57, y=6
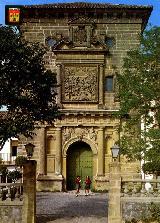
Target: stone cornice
x=79, y=51
x=105, y=11
x=99, y=112
x=86, y=5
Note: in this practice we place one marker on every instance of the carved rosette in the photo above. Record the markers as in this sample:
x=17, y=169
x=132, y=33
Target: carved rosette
x=80, y=133
x=80, y=84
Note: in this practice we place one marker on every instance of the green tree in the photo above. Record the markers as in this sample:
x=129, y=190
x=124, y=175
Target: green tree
x=139, y=95
x=27, y=89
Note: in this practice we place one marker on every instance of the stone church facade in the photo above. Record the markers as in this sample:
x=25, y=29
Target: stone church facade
x=85, y=41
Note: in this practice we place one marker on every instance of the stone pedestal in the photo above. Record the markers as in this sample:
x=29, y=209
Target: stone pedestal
x=29, y=192
x=49, y=183
x=114, y=205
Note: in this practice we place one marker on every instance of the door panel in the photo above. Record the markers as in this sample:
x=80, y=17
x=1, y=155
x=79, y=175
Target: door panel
x=79, y=162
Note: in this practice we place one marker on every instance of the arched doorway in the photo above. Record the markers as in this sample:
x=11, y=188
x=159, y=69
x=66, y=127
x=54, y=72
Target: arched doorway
x=79, y=162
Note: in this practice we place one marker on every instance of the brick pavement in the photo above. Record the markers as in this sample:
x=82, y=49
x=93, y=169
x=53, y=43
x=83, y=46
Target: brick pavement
x=61, y=207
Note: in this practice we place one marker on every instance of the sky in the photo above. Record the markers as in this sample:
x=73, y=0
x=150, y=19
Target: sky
x=154, y=18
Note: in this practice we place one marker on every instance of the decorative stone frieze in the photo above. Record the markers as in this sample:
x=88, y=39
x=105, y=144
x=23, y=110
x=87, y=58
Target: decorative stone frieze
x=80, y=133
x=81, y=19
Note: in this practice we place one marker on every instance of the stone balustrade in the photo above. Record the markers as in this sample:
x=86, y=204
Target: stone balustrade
x=11, y=191
x=18, y=200
x=140, y=188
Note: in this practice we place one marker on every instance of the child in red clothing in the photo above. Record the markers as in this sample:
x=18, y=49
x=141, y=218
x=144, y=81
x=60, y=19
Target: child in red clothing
x=87, y=185
x=78, y=185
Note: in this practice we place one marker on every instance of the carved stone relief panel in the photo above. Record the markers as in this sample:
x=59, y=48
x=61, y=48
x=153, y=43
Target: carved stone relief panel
x=80, y=83
x=72, y=132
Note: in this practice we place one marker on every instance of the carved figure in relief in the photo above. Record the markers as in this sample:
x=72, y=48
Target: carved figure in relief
x=79, y=133
x=66, y=134
x=92, y=134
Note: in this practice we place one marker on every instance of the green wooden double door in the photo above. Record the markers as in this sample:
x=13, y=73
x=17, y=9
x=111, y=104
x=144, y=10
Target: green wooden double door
x=79, y=163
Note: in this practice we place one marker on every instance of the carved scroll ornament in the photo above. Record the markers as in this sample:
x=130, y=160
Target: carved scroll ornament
x=74, y=132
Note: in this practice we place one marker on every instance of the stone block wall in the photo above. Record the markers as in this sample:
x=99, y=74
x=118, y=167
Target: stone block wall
x=125, y=33
x=11, y=211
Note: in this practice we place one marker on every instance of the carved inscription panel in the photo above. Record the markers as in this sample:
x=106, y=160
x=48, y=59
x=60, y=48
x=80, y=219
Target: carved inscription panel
x=80, y=84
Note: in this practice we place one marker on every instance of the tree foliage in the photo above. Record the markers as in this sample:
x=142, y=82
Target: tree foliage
x=27, y=89
x=139, y=94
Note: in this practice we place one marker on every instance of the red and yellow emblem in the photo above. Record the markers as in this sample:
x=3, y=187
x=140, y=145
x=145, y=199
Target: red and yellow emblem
x=14, y=15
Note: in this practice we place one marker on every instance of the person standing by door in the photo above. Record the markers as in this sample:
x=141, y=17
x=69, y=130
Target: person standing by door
x=87, y=185
x=78, y=185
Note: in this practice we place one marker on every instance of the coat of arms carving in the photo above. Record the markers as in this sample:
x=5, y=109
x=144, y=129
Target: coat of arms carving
x=80, y=35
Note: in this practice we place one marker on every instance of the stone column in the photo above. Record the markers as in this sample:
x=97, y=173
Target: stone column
x=59, y=93
x=42, y=158
x=58, y=157
x=64, y=167
x=101, y=85
x=64, y=173
x=100, y=152
x=29, y=192
x=114, y=204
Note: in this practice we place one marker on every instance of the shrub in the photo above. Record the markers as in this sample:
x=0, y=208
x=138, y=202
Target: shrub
x=20, y=160
x=14, y=175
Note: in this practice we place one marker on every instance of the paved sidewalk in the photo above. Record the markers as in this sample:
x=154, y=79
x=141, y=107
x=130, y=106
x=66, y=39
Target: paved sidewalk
x=61, y=207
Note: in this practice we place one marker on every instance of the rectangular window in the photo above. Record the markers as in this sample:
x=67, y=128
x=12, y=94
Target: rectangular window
x=14, y=150
x=109, y=83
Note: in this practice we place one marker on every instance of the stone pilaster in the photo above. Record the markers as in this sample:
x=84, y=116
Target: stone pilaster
x=64, y=167
x=100, y=152
x=59, y=93
x=115, y=135
x=58, y=157
x=42, y=158
x=101, y=88
x=114, y=205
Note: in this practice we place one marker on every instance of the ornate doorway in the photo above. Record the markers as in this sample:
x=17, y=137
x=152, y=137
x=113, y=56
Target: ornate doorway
x=79, y=162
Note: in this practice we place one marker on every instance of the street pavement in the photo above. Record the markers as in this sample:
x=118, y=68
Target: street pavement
x=65, y=207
